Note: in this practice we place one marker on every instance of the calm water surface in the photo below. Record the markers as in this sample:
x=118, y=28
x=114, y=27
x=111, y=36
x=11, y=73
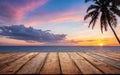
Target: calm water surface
x=58, y=48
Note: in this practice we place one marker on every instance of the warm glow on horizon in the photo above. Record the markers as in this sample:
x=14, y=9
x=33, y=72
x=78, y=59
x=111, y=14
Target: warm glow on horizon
x=33, y=25
x=101, y=44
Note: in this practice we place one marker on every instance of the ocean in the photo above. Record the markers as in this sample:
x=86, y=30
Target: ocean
x=58, y=48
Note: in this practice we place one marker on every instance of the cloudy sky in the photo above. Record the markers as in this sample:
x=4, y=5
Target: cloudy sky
x=50, y=22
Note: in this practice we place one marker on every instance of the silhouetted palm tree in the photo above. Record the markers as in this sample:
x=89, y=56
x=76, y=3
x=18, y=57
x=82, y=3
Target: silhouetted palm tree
x=117, y=2
x=106, y=10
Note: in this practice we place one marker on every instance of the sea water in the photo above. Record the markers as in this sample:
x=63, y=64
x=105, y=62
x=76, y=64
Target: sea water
x=58, y=48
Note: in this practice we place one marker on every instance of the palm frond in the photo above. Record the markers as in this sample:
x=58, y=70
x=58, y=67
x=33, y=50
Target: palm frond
x=98, y=3
x=95, y=19
x=92, y=7
x=117, y=2
x=88, y=0
x=115, y=10
x=90, y=14
x=103, y=22
x=113, y=19
x=92, y=21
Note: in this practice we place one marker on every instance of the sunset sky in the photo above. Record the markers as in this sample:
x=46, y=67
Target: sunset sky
x=50, y=23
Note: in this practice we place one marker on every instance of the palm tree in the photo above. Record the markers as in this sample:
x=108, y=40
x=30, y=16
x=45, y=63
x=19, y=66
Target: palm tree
x=117, y=2
x=107, y=11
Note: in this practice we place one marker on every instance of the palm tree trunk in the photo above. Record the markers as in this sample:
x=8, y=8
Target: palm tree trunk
x=114, y=32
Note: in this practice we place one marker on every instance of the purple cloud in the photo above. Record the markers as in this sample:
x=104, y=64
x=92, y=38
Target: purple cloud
x=14, y=10
x=20, y=32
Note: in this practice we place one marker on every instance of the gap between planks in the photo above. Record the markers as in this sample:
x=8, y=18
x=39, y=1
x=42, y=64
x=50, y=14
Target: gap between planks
x=104, y=67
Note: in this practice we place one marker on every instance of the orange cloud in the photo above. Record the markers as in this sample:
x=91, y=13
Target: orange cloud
x=93, y=41
x=6, y=41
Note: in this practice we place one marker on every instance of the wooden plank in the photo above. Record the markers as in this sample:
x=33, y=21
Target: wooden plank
x=107, y=69
x=2, y=55
x=51, y=65
x=106, y=55
x=107, y=60
x=34, y=65
x=84, y=66
x=112, y=54
x=67, y=65
x=15, y=66
x=6, y=55
x=5, y=62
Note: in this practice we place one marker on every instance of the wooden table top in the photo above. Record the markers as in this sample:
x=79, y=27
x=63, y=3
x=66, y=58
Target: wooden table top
x=60, y=63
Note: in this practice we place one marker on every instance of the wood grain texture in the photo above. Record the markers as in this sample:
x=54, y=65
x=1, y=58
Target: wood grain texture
x=34, y=65
x=84, y=65
x=59, y=63
x=67, y=66
x=107, y=69
x=15, y=66
x=112, y=54
x=107, y=55
x=106, y=60
x=6, y=55
x=51, y=65
x=6, y=61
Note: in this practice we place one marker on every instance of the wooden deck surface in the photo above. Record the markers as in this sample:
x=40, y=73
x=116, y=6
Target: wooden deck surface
x=60, y=63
